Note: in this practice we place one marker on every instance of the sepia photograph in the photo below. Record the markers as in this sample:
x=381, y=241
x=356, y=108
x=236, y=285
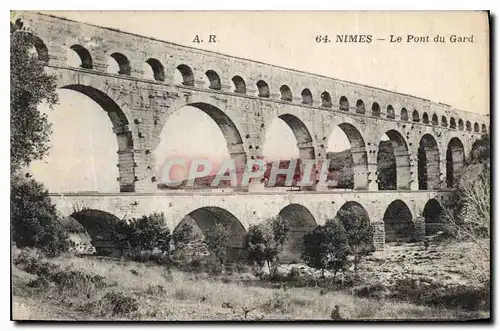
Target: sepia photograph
x=249, y=166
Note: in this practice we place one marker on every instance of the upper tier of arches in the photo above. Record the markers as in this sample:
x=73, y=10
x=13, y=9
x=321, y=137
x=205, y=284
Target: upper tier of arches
x=153, y=68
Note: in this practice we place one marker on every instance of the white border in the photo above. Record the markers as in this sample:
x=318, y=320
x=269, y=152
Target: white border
x=492, y=5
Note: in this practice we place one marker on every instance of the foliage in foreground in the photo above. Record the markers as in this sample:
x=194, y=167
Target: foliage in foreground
x=326, y=248
x=34, y=220
x=468, y=213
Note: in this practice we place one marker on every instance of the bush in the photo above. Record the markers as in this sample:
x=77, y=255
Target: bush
x=146, y=233
x=217, y=239
x=375, y=291
x=327, y=248
x=34, y=219
x=265, y=241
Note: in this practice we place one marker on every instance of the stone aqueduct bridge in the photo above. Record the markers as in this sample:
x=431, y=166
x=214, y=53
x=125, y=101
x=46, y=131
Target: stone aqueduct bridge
x=244, y=97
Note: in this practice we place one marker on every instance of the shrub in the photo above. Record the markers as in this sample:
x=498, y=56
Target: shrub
x=376, y=291
x=217, y=239
x=34, y=219
x=119, y=304
x=265, y=241
x=359, y=233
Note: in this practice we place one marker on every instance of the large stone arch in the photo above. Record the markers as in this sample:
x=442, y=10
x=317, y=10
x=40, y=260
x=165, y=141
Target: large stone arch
x=455, y=159
x=429, y=172
x=402, y=159
x=398, y=222
x=203, y=219
x=301, y=221
x=302, y=134
x=233, y=133
x=358, y=153
x=121, y=128
x=433, y=213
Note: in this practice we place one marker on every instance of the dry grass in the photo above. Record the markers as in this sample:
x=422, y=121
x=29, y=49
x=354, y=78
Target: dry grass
x=163, y=294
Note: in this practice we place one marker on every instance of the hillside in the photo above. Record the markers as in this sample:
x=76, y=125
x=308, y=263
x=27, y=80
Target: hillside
x=340, y=170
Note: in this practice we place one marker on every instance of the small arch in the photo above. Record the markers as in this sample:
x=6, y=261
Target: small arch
x=390, y=112
x=453, y=124
x=468, y=126
x=425, y=118
x=398, y=223
x=460, y=124
x=123, y=63
x=435, y=120
x=375, y=109
x=433, y=213
x=444, y=121
x=428, y=164
x=239, y=85
x=415, y=116
x=263, y=89
x=187, y=75
x=360, y=107
x=286, y=94
x=404, y=114
x=301, y=222
x=343, y=103
x=476, y=127
x=455, y=159
x=157, y=68
x=326, y=100
x=213, y=79
x=483, y=128
x=84, y=55
x=307, y=98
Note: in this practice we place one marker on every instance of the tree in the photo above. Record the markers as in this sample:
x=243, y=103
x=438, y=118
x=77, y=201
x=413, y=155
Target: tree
x=147, y=232
x=184, y=235
x=326, y=247
x=29, y=86
x=217, y=239
x=265, y=241
x=359, y=233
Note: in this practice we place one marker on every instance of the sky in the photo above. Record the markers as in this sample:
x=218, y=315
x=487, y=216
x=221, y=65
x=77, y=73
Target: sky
x=455, y=74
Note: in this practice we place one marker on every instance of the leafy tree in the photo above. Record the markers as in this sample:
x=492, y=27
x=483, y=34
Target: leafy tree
x=326, y=247
x=359, y=233
x=217, y=240
x=147, y=232
x=29, y=86
x=184, y=235
x=265, y=241
x=34, y=219
x=386, y=166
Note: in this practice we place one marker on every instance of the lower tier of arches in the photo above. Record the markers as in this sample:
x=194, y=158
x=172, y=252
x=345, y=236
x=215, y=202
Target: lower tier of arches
x=396, y=216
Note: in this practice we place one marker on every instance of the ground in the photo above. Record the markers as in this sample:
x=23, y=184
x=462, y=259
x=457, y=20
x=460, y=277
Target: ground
x=132, y=290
